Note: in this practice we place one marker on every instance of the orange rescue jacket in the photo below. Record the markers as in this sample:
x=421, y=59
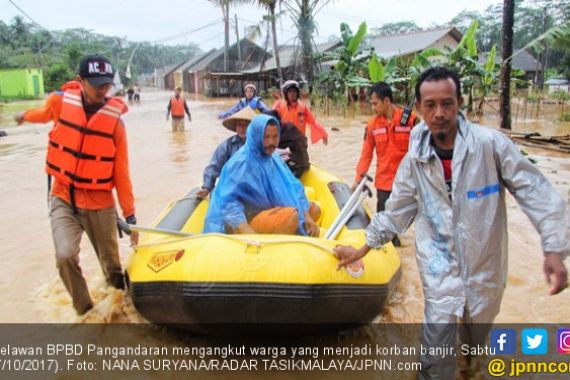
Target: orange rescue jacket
x=391, y=142
x=300, y=115
x=52, y=107
x=177, y=106
x=80, y=152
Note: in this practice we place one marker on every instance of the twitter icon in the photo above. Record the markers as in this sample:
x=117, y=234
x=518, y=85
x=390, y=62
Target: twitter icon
x=534, y=341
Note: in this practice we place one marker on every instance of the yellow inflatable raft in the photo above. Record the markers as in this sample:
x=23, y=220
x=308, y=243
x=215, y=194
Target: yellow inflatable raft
x=208, y=279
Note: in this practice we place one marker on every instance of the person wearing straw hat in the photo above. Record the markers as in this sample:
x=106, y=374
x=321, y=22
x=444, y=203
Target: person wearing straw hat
x=237, y=123
x=249, y=101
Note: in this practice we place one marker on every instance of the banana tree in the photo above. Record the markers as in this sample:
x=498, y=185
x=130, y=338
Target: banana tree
x=477, y=79
x=489, y=79
x=401, y=73
x=351, y=63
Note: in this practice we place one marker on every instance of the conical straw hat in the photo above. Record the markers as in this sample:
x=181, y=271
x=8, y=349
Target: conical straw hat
x=244, y=114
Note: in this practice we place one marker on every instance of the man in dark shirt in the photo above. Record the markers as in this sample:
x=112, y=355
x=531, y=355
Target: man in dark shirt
x=293, y=139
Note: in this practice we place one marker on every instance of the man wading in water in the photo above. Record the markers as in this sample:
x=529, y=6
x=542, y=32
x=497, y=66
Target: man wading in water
x=452, y=182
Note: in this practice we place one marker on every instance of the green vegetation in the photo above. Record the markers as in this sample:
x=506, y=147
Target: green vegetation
x=22, y=45
x=349, y=69
x=356, y=67
x=561, y=96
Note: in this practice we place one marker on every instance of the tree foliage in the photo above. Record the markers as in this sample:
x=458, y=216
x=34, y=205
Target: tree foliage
x=395, y=28
x=351, y=63
x=24, y=45
x=533, y=18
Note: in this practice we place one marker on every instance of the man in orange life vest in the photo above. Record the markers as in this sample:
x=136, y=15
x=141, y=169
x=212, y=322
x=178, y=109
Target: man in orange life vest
x=177, y=107
x=87, y=156
x=389, y=134
x=292, y=110
x=51, y=108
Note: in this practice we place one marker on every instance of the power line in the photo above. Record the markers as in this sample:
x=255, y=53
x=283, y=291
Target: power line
x=253, y=23
x=184, y=34
x=355, y=18
x=28, y=16
x=34, y=22
x=210, y=38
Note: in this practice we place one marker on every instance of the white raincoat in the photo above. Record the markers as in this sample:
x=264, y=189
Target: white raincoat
x=461, y=244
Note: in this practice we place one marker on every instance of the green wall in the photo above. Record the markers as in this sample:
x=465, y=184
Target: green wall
x=21, y=83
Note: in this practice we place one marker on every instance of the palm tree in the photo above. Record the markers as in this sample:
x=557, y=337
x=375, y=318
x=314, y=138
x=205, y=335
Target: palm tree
x=303, y=14
x=270, y=5
x=20, y=30
x=507, y=52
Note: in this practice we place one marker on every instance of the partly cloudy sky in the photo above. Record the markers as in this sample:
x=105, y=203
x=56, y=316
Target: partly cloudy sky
x=172, y=20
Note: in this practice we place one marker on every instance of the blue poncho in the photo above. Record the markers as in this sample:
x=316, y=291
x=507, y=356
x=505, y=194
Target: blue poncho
x=251, y=181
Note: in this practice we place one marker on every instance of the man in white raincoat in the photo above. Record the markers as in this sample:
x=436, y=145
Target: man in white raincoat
x=453, y=182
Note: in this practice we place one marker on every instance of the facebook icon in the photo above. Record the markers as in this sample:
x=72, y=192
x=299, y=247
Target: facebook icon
x=504, y=341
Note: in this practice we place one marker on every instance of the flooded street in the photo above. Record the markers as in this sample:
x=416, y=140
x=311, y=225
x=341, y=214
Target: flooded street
x=164, y=166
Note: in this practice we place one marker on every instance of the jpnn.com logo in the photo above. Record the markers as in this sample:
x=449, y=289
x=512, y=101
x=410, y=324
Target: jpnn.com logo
x=534, y=341
x=504, y=341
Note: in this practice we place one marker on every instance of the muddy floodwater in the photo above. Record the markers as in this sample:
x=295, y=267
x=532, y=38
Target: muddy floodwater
x=164, y=166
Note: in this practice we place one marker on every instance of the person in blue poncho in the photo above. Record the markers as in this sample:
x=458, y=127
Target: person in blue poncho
x=256, y=191
x=254, y=102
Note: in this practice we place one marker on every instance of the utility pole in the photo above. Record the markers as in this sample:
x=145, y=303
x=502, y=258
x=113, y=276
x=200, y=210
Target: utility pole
x=237, y=36
x=226, y=14
x=505, y=81
x=542, y=57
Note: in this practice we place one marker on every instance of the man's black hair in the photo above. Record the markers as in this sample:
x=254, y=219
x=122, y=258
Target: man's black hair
x=438, y=73
x=382, y=91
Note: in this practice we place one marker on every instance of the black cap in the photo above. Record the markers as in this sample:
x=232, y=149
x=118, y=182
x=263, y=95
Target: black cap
x=97, y=70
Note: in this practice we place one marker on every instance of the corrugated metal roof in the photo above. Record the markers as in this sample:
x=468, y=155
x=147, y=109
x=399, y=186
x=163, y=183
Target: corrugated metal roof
x=289, y=55
x=164, y=71
x=557, y=82
x=523, y=61
x=194, y=60
x=206, y=60
x=408, y=43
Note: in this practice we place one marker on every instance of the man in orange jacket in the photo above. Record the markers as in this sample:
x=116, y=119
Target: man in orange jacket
x=51, y=108
x=87, y=156
x=177, y=106
x=292, y=110
x=389, y=134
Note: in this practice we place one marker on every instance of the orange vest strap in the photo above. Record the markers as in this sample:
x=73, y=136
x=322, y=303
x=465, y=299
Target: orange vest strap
x=77, y=154
x=87, y=131
x=78, y=179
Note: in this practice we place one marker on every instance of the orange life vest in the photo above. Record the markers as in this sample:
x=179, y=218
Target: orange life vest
x=293, y=114
x=80, y=152
x=391, y=140
x=177, y=106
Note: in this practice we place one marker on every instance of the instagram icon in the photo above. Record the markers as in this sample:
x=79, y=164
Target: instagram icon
x=564, y=341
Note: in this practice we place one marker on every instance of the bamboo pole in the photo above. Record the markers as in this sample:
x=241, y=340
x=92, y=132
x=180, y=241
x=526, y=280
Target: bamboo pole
x=517, y=110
